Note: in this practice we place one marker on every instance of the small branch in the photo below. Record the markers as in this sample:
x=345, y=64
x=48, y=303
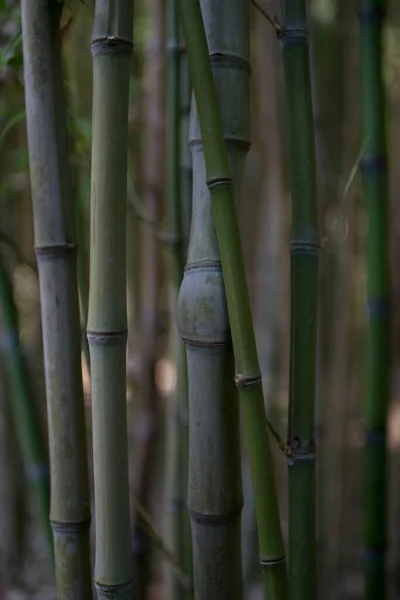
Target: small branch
x=284, y=447
x=271, y=20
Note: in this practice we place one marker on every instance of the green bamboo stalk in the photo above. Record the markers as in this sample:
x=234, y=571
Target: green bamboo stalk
x=248, y=379
x=179, y=534
x=56, y=256
x=375, y=190
x=23, y=410
x=305, y=248
x=111, y=50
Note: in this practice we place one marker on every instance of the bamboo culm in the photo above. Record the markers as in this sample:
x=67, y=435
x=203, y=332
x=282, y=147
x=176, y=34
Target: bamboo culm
x=215, y=492
x=56, y=256
x=377, y=375
x=217, y=173
x=305, y=247
x=179, y=534
x=107, y=319
x=26, y=423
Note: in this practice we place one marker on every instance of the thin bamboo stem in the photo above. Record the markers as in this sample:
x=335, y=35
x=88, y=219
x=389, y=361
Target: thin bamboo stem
x=153, y=175
x=56, y=256
x=305, y=246
x=375, y=190
x=107, y=320
x=218, y=173
x=178, y=517
x=27, y=426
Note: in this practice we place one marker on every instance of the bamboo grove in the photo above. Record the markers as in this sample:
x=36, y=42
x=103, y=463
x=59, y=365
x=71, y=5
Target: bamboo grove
x=145, y=225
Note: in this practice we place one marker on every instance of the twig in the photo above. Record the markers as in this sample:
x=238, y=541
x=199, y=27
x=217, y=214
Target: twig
x=271, y=20
x=284, y=447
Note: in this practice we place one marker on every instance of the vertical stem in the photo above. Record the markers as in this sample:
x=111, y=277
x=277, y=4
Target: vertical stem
x=179, y=524
x=107, y=320
x=27, y=426
x=153, y=173
x=215, y=490
x=56, y=256
x=374, y=172
x=204, y=319
x=304, y=293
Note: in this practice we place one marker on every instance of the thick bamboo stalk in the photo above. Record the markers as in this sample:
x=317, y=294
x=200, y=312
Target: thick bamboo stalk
x=179, y=533
x=111, y=50
x=375, y=190
x=304, y=294
x=26, y=423
x=248, y=379
x=56, y=256
x=215, y=491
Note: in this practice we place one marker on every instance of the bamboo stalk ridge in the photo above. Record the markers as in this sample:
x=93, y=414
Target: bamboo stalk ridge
x=56, y=256
x=305, y=249
x=217, y=172
x=107, y=319
x=27, y=426
x=179, y=532
x=377, y=378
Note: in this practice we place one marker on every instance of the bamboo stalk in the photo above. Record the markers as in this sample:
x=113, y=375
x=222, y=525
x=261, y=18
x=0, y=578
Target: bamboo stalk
x=153, y=175
x=375, y=190
x=111, y=50
x=215, y=489
x=248, y=379
x=56, y=256
x=178, y=436
x=304, y=294
x=26, y=423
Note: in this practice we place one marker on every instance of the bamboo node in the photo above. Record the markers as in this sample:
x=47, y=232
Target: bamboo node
x=219, y=182
x=232, y=60
x=55, y=251
x=293, y=35
x=216, y=519
x=107, y=337
x=111, y=43
x=298, y=247
x=268, y=562
x=114, y=590
x=242, y=381
x=70, y=528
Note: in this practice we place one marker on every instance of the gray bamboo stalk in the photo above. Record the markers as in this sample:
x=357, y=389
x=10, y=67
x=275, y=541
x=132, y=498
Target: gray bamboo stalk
x=107, y=320
x=178, y=530
x=56, y=256
x=215, y=491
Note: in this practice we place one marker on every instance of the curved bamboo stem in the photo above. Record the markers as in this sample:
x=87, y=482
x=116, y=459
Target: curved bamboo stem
x=248, y=379
x=305, y=246
x=375, y=190
x=111, y=50
x=56, y=256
